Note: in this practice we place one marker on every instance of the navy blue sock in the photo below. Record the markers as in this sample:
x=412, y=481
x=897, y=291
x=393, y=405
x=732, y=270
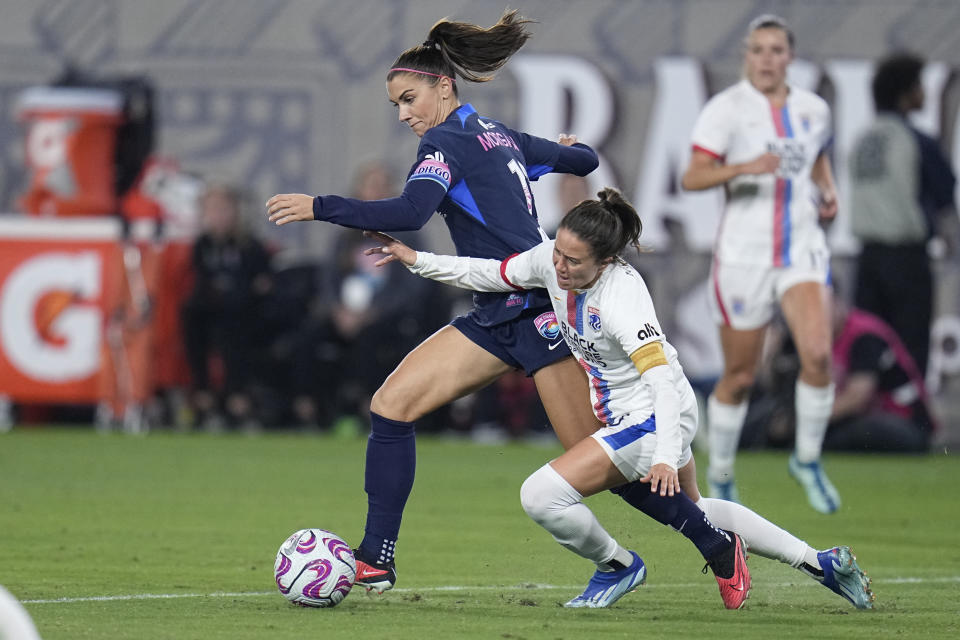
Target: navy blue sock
x=388, y=480
x=678, y=512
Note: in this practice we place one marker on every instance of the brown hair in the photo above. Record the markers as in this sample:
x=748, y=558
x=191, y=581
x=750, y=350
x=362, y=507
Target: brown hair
x=463, y=49
x=608, y=225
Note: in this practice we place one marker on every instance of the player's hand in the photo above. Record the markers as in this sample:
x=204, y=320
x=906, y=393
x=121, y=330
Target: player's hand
x=290, y=207
x=664, y=478
x=567, y=139
x=767, y=163
x=827, y=206
x=393, y=248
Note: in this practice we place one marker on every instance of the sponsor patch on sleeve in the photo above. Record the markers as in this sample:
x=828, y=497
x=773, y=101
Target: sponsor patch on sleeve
x=431, y=169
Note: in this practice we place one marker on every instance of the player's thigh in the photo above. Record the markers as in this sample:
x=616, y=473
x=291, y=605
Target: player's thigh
x=806, y=308
x=588, y=468
x=687, y=474
x=742, y=349
x=565, y=393
x=444, y=367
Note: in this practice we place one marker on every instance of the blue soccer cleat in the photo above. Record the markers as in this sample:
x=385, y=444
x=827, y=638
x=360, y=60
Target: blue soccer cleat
x=606, y=587
x=843, y=576
x=821, y=493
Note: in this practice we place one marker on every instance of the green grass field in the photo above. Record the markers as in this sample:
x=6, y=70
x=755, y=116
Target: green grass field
x=174, y=536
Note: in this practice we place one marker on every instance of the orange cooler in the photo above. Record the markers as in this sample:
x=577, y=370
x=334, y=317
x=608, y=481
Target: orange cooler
x=70, y=150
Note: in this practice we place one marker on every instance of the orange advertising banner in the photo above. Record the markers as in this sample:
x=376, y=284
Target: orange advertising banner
x=60, y=281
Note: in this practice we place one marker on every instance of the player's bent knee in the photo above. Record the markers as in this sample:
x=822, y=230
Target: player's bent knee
x=544, y=496
x=532, y=497
x=738, y=384
x=817, y=360
x=389, y=403
x=539, y=496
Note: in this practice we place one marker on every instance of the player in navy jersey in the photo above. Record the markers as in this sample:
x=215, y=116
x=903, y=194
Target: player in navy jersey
x=476, y=173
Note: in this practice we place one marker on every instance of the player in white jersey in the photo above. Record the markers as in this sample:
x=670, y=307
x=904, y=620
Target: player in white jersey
x=765, y=142
x=639, y=391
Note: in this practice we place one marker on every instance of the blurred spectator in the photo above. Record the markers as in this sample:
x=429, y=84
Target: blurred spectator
x=221, y=315
x=360, y=322
x=881, y=402
x=374, y=180
x=363, y=321
x=900, y=182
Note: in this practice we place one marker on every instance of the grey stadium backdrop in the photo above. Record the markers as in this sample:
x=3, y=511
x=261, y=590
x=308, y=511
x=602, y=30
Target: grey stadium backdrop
x=288, y=95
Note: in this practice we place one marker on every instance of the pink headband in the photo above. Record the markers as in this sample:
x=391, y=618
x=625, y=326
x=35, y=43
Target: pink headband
x=426, y=73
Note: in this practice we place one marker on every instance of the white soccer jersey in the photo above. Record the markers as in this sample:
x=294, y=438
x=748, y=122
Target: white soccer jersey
x=602, y=325
x=769, y=220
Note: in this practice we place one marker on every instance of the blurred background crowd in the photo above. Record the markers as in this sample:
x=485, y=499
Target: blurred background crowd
x=149, y=137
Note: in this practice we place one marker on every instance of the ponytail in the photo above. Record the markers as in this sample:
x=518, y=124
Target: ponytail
x=607, y=225
x=463, y=49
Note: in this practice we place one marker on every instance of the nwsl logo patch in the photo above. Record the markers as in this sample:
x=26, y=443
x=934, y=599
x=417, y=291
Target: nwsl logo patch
x=547, y=325
x=431, y=169
x=514, y=300
x=593, y=315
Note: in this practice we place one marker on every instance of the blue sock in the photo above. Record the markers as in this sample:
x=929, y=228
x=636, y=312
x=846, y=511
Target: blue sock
x=391, y=463
x=678, y=512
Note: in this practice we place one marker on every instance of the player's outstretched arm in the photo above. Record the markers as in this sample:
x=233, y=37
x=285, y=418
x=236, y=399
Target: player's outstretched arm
x=516, y=273
x=392, y=249
x=290, y=207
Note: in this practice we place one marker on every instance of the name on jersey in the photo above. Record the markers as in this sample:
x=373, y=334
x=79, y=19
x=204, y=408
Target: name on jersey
x=493, y=139
x=432, y=169
x=580, y=345
x=648, y=331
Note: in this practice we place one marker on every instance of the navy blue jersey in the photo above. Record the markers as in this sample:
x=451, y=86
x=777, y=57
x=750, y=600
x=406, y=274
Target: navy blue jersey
x=476, y=173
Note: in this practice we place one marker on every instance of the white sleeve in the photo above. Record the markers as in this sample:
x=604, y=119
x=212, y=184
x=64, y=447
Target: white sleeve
x=666, y=411
x=516, y=273
x=635, y=326
x=711, y=133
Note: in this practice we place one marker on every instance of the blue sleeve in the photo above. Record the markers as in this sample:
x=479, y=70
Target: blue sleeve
x=407, y=212
x=545, y=156
x=578, y=159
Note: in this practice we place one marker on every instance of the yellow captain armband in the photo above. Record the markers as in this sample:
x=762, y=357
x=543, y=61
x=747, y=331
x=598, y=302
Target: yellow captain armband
x=648, y=356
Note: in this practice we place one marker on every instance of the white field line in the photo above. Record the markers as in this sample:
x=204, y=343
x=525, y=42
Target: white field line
x=522, y=587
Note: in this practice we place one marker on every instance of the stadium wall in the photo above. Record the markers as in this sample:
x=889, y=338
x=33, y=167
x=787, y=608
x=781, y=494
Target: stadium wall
x=287, y=95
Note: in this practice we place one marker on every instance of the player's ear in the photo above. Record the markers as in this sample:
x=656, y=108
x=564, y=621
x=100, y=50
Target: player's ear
x=446, y=87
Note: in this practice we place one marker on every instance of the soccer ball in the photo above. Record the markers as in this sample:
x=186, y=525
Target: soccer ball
x=315, y=568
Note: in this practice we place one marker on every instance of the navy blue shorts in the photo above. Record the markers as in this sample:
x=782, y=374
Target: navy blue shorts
x=529, y=342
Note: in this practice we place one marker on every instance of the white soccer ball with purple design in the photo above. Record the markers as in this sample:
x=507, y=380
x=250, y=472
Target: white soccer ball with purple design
x=315, y=568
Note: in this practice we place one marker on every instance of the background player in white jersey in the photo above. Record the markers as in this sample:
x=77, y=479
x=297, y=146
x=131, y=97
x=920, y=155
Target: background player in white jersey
x=640, y=393
x=765, y=141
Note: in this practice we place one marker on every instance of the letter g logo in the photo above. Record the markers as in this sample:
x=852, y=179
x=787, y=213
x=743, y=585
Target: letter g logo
x=47, y=341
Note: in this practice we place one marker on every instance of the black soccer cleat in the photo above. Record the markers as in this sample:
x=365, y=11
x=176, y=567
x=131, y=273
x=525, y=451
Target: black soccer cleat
x=374, y=576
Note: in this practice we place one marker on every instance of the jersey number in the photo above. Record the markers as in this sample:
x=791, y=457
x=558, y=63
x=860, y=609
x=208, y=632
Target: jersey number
x=521, y=174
